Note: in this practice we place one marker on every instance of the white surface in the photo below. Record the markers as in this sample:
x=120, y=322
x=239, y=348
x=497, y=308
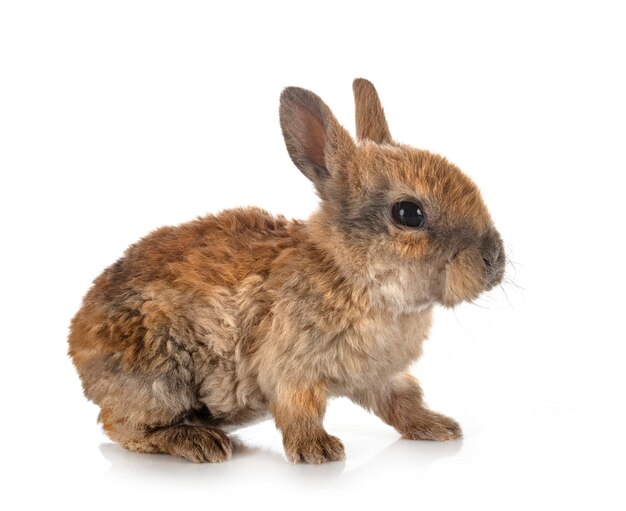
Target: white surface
x=118, y=117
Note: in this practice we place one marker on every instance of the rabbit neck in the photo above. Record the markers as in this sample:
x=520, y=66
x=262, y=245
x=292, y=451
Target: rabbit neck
x=391, y=288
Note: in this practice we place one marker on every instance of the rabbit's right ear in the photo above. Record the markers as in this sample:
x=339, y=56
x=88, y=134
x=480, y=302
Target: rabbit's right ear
x=371, y=123
x=317, y=144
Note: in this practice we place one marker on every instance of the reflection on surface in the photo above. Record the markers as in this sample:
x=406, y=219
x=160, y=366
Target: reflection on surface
x=368, y=455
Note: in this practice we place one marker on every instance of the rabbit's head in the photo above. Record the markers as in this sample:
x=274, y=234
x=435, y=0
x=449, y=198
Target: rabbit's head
x=407, y=224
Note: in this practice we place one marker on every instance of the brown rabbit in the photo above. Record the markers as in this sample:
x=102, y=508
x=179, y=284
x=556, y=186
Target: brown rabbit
x=221, y=320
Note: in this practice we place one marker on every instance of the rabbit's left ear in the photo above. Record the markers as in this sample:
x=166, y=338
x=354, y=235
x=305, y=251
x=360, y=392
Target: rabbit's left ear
x=371, y=123
x=318, y=145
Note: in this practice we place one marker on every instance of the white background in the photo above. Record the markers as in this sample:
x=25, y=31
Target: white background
x=117, y=117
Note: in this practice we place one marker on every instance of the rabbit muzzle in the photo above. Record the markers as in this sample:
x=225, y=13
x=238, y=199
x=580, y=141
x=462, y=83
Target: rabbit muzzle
x=476, y=268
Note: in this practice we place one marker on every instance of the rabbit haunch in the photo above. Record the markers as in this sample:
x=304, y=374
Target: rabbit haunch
x=230, y=317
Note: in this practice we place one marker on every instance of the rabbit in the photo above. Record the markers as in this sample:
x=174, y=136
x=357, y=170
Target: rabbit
x=235, y=317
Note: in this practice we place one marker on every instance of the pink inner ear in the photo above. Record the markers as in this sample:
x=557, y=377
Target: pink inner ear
x=312, y=136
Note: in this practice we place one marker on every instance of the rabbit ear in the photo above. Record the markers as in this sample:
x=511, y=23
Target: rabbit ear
x=369, y=115
x=316, y=142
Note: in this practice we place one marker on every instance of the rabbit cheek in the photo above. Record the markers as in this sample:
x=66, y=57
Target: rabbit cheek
x=464, y=278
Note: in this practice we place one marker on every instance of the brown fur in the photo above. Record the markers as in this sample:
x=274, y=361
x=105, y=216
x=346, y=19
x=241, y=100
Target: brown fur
x=230, y=317
x=369, y=115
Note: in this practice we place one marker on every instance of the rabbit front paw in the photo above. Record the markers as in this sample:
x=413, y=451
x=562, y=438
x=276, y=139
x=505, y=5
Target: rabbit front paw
x=433, y=426
x=316, y=450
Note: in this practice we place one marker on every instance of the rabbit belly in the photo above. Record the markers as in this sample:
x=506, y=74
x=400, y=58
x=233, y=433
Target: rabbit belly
x=225, y=334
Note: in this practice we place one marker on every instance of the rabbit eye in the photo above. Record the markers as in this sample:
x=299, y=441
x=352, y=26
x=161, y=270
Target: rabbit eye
x=408, y=214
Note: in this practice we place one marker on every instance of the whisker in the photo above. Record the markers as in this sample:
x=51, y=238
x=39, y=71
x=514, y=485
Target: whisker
x=507, y=296
x=458, y=322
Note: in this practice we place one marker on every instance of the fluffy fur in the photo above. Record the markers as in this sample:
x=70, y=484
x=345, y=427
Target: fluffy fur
x=227, y=318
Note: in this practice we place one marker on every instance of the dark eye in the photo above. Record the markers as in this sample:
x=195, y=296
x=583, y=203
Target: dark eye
x=408, y=213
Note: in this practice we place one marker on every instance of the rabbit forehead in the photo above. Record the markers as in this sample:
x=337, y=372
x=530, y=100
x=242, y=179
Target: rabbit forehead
x=403, y=172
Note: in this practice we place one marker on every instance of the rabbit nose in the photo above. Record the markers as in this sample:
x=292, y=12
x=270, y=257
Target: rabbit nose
x=493, y=257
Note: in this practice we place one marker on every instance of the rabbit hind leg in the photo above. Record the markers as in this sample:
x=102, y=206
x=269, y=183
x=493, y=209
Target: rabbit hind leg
x=160, y=415
x=195, y=442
